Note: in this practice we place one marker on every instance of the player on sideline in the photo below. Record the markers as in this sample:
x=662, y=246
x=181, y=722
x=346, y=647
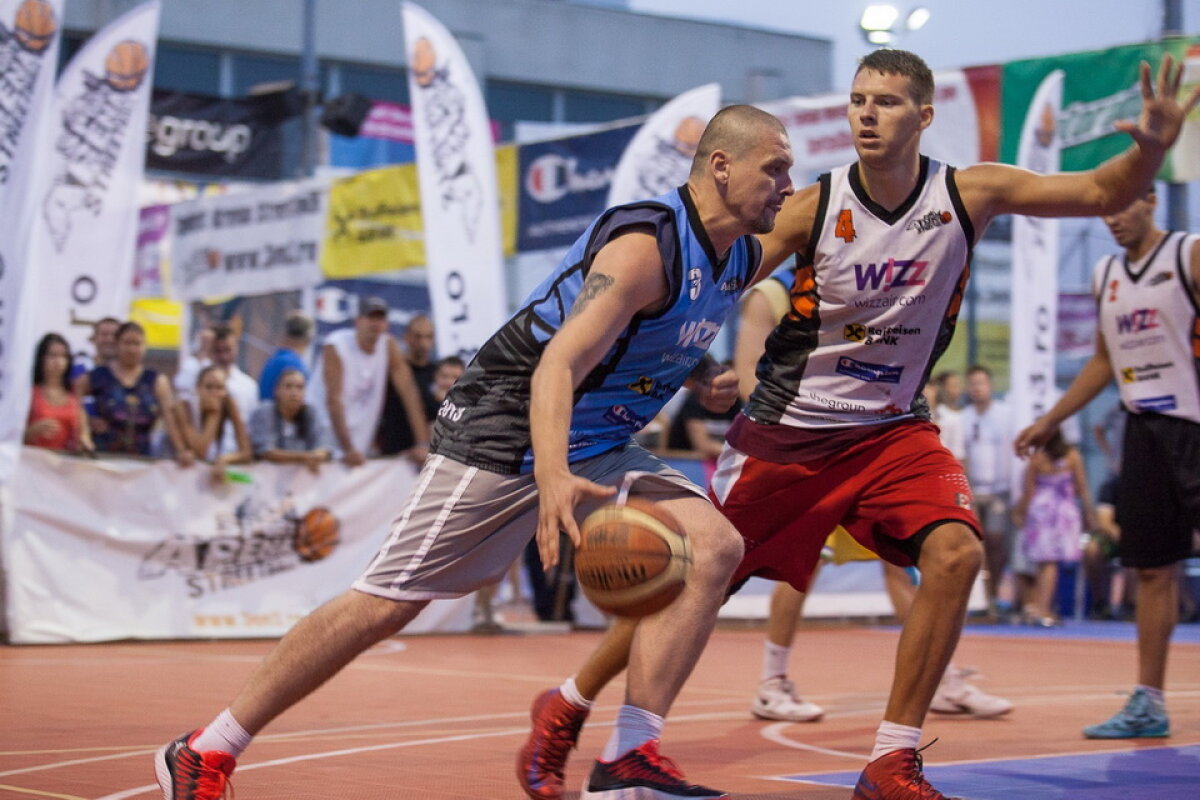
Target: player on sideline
x=837, y=430
x=1149, y=324
x=590, y=358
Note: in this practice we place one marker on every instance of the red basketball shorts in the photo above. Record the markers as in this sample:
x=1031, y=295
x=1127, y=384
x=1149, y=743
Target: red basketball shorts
x=884, y=489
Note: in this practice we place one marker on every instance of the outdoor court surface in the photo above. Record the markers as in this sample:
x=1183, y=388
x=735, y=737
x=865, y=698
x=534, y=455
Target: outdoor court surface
x=441, y=717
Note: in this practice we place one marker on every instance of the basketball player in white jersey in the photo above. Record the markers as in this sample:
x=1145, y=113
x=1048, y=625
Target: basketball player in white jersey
x=1149, y=341
x=837, y=431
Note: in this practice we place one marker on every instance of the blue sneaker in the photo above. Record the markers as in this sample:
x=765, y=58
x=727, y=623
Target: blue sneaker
x=1141, y=718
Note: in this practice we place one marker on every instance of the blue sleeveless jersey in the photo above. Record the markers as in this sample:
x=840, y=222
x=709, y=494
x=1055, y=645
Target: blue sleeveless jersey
x=484, y=420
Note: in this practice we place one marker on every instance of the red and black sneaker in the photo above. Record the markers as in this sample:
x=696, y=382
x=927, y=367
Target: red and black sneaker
x=643, y=774
x=896, y=776
x=542, y=760
x=184, y=774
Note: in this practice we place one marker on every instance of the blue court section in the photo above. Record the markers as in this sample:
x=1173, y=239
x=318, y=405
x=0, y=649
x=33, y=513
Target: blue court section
x=1083, y=629
x=1148, y=773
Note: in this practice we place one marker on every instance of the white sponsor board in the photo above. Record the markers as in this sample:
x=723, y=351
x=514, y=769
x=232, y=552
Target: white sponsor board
x=120, y=549
x=256, y=242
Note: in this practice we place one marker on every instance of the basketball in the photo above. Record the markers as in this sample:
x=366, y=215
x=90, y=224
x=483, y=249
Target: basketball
x=633, y=559
x=35, y=25
x=316, y=534
x=126, y=65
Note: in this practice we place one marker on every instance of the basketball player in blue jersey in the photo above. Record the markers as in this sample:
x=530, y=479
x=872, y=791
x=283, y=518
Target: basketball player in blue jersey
x=589, y=359
x=837, y=430
x=1149, y=340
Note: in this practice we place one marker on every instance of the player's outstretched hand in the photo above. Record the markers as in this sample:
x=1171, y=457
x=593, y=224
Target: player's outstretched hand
x=1033, y=438
x=557, y=498
x=1163, y=112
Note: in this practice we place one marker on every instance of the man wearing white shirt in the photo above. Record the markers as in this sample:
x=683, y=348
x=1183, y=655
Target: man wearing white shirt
x=241, y=387
x=987, y=427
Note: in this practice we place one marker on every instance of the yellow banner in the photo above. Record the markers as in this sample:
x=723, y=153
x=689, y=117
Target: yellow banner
x=374, y=223
x=162, y=320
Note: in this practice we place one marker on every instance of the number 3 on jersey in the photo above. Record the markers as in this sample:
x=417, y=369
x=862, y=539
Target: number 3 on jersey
x=844, y=228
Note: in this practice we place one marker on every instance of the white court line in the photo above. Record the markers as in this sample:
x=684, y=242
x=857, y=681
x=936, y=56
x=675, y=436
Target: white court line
x=774, y=733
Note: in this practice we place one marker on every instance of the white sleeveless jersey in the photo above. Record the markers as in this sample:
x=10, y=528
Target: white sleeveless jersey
x=875, y=309
x=364, y=379
x=1151, y=325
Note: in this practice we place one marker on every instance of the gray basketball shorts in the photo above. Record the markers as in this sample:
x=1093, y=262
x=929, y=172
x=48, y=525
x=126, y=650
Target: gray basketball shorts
x=462, y=526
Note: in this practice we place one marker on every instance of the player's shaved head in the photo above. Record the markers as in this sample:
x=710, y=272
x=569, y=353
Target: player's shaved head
x=735, y=130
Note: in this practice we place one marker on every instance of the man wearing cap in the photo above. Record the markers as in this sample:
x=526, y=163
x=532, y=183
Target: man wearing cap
x=355, y=365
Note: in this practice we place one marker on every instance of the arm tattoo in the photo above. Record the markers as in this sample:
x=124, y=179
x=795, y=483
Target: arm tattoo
x=594, y=286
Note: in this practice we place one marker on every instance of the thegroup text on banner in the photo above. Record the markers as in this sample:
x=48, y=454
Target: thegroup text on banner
x=457, y=174
x=85, y=228
x=264, y=240
x=215, y=136
x=124, y=549
x=31, y=31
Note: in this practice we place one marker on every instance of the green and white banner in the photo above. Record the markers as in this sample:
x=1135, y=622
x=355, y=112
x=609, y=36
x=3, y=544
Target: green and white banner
x=1099, y=88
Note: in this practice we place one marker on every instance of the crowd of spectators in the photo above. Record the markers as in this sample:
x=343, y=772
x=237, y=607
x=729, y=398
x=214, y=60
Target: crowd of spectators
x=308, y=406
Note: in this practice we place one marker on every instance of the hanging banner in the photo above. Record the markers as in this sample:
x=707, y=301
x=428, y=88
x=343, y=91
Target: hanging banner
x=190, y=559
x=457, y=172
x=264, y=240
x=564, y=185
x=29, y=40
x=659, y=157
x=86, y=225
x=1100, y=88
x=226, y=138
x=1034, y=306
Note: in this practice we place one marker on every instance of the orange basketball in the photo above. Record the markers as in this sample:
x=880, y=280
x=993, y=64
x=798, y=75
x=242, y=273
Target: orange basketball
x=316, y=534
x=126, y=65
x=633, y=559
x=35, y=25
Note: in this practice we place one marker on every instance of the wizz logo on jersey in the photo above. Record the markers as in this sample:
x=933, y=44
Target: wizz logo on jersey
x=890, y=274
x=934, y=219
x=1143, y=319
x=699, y=333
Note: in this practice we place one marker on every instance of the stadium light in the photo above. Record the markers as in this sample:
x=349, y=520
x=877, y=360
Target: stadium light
x=879, y=23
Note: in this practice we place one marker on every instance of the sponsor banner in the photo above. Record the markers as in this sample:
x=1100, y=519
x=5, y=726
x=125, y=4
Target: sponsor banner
x=962, y=128
x=229, y=138
x=564, y=185
x=375, y=226
x=87, y=222
x=29, y=40
x=255, y=242
x=1077, y=319
x=1100, y=88
x=456, y=169
x=1034, y=306
x=659, y=157
x=246, y=558
x=150, y=255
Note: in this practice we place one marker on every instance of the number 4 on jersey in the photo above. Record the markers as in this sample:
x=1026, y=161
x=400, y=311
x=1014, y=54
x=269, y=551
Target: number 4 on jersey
x=844, y=229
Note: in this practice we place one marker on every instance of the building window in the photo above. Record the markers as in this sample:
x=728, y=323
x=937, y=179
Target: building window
x=596, y=107
x=377, y=83
x=183, y=70
x=251, y=70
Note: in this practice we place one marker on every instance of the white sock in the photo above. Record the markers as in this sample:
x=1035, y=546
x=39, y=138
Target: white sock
x=775, y=660
x=1155, y=695
x=634, y=727
x=224, y=734
x=570, y=693
x=891, y=737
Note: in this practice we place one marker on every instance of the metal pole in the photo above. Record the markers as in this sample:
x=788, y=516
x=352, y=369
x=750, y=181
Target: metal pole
x=309, y=89
x=1177, y=198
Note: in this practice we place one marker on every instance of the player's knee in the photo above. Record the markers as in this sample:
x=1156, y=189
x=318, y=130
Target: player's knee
x=951, y=552
x=385, y=617
x=719, y=549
